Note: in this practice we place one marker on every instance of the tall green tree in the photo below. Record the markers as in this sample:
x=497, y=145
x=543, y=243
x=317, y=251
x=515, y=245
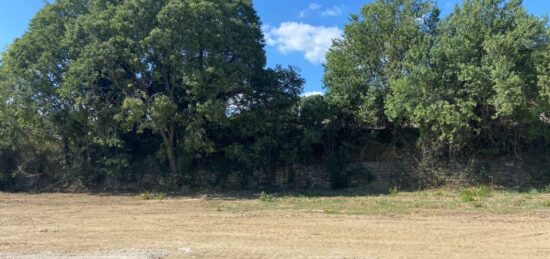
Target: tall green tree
x=477, y=86
x=376, y=42
x=101, y=75
x=193, y=61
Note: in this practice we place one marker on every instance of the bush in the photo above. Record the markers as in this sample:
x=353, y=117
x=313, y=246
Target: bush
x=475, y=195
x=393, y=191
x=264, y=197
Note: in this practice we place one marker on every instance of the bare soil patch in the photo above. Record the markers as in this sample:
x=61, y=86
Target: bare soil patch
x=95, y=226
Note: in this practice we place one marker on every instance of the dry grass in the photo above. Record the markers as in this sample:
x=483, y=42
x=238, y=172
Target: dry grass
x=475, y=223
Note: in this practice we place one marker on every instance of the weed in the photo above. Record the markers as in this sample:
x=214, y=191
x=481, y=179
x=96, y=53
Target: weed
x=393, y=191
x=467, y=195
x=146, y=196
x=485, y=191
x=533, y=191
x=330, y=211
x=546, y=203
x=265, y=197
x=475, y=194
x=152, y=196
x=478, y=204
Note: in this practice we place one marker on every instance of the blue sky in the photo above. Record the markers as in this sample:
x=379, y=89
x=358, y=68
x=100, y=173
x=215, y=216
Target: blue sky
x=298, y=32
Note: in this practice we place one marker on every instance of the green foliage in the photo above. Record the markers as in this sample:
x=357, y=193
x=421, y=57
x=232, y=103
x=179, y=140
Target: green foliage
x=361, y=66
x=533, y=191
x=476, y=80
x=475, y=195
x=474, y=84
x=99, y=80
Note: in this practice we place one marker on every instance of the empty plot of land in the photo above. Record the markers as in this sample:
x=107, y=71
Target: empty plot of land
x=94, y=226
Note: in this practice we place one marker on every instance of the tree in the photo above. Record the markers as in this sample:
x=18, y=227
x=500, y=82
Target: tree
x=105, y=77
x=25, y=142
x=361, y=66
x=198, y=56
x=477, y=86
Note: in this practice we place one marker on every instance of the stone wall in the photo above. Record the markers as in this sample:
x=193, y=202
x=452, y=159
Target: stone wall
x=407, y=175
x=380, y=176
x=375, y=176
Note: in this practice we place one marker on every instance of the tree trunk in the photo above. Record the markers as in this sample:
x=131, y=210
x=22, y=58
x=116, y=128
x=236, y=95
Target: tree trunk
x=173, y=160
x=170, y=142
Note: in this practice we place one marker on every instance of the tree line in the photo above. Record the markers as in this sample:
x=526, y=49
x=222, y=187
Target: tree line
x=162, y=91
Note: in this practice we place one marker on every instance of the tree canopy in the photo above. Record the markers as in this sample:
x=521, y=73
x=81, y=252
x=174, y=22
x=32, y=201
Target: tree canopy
x=100, y=76
x=475, y=79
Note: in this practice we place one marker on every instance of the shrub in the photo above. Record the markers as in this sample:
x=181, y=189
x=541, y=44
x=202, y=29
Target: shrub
x=475, y=194
x=534, y=191
x=152, y=196
x=393, y=191
x=266, y=197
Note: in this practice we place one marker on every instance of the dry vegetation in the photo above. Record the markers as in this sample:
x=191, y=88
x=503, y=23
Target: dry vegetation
x=474, y=222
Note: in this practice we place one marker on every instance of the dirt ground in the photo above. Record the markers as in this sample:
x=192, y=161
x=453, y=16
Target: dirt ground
x=95, y=226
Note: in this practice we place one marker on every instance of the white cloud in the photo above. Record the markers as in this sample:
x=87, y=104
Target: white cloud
x=311, y=7
x=317, y=8
x=333, y=11
x=312, y=93
x=313, y=41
